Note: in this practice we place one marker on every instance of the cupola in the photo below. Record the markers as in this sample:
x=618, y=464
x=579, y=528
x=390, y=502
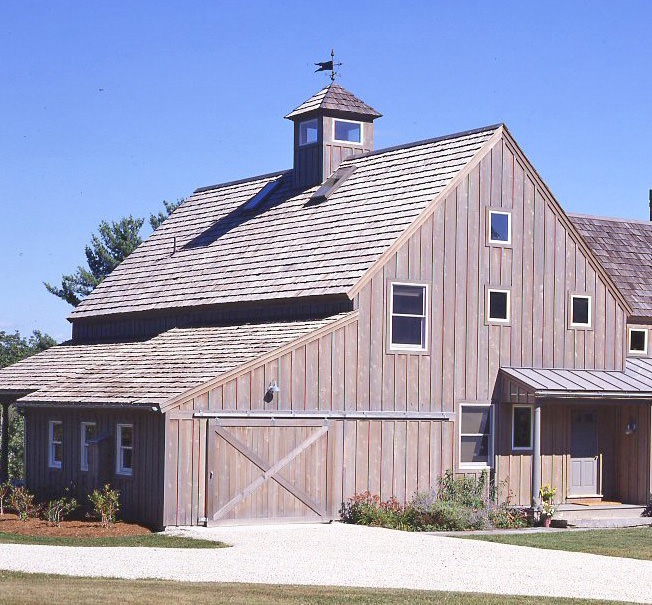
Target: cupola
x=328, y=128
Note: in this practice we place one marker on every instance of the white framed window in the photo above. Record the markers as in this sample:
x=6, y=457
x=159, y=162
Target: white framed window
x=499, y=227
x=88, y=433
x=498, y=306
x=580, y=311
x=347, y=131
x=522, y=419
x=476, y=435
x=408, y=317
x=124, y=449
x=637, y=341
x=55, y=443
x=308, y=132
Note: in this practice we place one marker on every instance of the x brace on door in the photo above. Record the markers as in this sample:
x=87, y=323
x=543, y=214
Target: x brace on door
x=271, y=472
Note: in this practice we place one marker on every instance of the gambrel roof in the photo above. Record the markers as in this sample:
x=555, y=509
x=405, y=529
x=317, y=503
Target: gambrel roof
x=147, y=372
x=624, y=248
x=212, y=251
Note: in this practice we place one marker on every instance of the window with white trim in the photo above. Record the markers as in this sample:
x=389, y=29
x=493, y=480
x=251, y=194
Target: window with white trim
x=637, y=341
x=346, y=131
x=124, y=449
x=580, y=311
x=498, y=305
x=500, y=227
x=522, y=427
x=88, y=433
x=55, y=443
x=308, y=132
x=408, y=317
x=476, y=447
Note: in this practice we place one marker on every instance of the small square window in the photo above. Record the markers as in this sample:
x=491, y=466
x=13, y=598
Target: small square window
x=308, y=132
x=500, y=227
x=580, y=311
x=522, y=427
x=350, y=132
x=498, y=305
x=475, y=435
x=408, y=317
x=638, y=341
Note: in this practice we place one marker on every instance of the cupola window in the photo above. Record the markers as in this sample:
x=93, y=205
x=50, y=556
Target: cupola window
x=308, y=132
x=349, y=132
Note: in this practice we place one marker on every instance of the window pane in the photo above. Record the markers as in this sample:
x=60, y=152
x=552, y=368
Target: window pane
x=347, y=131
x=476, y=420
x=522, y=427
x=475, y=449
x=637, y=340
x=499, y=226
x=497, y=305
x=308, y=132
x=407, y=330
x=126, y=432
x=580, y=310
x=126, y=458
x=57, y=431
x=57, y=452
x=408, y=299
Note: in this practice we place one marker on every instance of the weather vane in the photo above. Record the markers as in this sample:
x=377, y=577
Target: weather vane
x=329, y=65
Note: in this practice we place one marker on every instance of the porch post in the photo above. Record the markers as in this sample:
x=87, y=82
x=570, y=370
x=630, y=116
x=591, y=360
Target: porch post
x=4, y=448
x=536, y=456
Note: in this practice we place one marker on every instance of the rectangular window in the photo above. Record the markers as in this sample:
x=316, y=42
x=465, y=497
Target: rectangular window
x=475, y=435
x=637, y=341
x=580, y=309
x=87, y=435
x=308, y=132
x=497, y=306
x=349, y=132
x=500, y=227
x=124, y=449
x=408, y=317
x=55, y=443
x=522, y=427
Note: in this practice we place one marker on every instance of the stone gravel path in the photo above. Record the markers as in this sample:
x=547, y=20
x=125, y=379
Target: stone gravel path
x=345, y=555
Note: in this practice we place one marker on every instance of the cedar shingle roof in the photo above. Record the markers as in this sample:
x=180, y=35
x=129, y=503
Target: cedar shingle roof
x=336, y=98
x=287, y=247
x=624, y=248
x=147, y=372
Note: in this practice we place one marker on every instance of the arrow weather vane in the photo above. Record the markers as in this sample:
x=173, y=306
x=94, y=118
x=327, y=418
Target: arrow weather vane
x=329, y=65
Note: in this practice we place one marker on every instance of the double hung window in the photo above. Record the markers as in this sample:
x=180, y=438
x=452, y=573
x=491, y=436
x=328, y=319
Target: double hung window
x=408, y=317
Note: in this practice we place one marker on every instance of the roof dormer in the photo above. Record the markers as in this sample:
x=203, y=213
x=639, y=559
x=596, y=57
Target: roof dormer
x=329, y=127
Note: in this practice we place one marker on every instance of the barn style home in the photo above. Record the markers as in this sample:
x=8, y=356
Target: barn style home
x=365, y=320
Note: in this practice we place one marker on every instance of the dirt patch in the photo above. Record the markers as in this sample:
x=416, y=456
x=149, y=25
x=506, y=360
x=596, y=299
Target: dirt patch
x=9, y=523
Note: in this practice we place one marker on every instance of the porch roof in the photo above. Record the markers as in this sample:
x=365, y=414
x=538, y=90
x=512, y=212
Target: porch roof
x=635, y=382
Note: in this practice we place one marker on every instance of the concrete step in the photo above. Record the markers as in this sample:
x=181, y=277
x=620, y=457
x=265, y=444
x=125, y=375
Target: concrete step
x=602, y=515
x=610, y=522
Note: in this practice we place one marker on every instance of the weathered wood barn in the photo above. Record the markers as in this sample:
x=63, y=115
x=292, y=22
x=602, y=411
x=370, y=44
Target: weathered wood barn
x=363, y=321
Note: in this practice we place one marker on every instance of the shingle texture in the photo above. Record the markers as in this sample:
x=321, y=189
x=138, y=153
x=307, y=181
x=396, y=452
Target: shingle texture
x=624, y=248
x=336, y=98
x=147, y=372
x=287, y=247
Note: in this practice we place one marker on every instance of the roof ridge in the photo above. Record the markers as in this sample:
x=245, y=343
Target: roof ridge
x=241, y=181
x=615, y=219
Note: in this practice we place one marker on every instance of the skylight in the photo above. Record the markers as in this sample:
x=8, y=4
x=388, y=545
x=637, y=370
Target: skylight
x=262, y=195
x=331, y=184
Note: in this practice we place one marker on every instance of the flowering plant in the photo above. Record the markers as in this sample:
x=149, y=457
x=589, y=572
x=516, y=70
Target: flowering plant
x=547, y=492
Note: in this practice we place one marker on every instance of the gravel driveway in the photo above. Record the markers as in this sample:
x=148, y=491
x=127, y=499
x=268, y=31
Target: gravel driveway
x=347, y=555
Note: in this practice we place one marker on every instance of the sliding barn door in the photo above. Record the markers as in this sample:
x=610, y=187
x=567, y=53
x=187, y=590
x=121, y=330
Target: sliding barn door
x=264, y=469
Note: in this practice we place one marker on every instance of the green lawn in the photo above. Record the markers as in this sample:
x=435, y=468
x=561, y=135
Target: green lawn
x=40, y=588
x=151, y=540
x=632, y=542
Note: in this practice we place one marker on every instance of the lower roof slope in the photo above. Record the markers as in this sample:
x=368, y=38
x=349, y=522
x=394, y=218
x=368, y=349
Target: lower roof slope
x=146, y=372
x=211, y=251
x=624, y=248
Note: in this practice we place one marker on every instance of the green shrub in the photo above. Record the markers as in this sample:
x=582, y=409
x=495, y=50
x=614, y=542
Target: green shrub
x=106, y=504
x=468, y=490
x=22, y=502
x=369, y=509
x=56, y=510
x=5, y=492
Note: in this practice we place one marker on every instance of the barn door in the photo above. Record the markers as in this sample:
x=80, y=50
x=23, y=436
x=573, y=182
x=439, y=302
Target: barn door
x=267, y=469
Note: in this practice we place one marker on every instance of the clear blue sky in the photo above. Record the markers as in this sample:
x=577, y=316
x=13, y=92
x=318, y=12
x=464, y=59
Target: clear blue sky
x=109, y=107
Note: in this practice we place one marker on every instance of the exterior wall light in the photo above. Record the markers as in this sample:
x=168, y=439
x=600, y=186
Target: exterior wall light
x=271, y=389
x=630, y=428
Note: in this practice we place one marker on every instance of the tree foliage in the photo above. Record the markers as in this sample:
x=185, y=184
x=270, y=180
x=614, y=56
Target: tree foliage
x=113, y=243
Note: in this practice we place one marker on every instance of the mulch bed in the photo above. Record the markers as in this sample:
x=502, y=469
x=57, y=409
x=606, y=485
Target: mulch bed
x=9, y=523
